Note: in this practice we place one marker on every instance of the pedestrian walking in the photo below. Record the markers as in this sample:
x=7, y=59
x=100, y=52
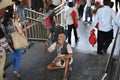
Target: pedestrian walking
x=10, y=25
x=70, y=22
x=116, y=3
x=53, y=20
x=104, y=17
x=88, y=11
x=37, y=5
x=81, y=7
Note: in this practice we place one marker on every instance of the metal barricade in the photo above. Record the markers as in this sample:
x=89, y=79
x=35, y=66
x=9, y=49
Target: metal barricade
x=38, y=31
x=60, y=13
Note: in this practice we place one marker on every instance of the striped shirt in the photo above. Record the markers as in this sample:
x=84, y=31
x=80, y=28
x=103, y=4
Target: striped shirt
x=3, y=44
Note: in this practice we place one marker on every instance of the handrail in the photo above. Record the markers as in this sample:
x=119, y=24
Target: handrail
x=60, y=6
x=116, y=77
x=34, y=11
x=30, y=11
x=60, y=12
x=21, y=13
x=110, y=57
x=34, y=19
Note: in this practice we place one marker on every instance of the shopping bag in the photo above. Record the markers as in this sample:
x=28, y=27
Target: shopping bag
x=92, y=38
x=74, y=17
x=97, y=25
x=18, y=40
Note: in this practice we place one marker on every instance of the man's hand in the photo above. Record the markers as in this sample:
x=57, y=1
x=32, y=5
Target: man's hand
x=68, y=56
x=46, y=46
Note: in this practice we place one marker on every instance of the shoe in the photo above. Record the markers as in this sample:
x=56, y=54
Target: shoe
x=104, y=51
x=100, y=53
x=85, y=22
x=90, y=22
x=76, y=41
x=16, y=74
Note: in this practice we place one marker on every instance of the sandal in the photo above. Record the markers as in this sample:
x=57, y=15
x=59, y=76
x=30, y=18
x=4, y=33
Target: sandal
x=16, y=74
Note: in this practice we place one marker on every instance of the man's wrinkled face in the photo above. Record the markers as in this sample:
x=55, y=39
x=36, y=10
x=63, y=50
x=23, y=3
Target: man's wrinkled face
x=61, y=38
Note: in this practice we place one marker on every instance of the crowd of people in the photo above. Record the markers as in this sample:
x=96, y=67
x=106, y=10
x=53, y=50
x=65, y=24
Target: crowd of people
x=104, y=15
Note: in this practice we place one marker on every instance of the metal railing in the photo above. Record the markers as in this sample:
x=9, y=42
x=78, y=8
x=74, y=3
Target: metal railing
x=38, y=31
x=60, y=13
x=117, y=71
x=110, y=58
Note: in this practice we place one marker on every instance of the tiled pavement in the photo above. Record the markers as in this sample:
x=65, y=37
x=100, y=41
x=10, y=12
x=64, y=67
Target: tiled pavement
x=87, y=64
x=33, y=67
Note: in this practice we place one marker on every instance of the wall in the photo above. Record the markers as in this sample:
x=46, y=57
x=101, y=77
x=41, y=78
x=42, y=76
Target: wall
x=3, y=4
x=6, y=3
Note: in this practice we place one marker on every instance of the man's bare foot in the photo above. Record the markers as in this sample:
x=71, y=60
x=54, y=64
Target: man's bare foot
x=65, y=79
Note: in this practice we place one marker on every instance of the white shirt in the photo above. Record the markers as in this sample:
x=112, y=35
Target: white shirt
x=68, y=15
x=104, y=16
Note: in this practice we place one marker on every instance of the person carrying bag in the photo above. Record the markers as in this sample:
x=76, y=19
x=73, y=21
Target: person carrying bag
x=10, y=25
x=17, y=37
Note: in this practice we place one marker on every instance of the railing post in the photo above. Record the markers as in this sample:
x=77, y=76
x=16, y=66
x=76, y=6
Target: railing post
x=110, y=57
x=117, y=71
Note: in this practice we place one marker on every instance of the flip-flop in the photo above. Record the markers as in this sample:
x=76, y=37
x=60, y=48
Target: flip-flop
x=17, y=75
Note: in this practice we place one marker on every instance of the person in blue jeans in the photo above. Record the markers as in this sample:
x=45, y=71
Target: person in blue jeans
x=88, y=11
x=16, y=57
x=9, y=24
x=22, y=13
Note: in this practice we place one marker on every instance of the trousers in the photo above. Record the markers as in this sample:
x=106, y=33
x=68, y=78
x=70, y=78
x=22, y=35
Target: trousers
x=16, y=57
x=2, y=63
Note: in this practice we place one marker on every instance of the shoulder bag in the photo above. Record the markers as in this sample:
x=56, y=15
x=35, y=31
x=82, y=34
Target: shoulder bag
x=18, y=40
